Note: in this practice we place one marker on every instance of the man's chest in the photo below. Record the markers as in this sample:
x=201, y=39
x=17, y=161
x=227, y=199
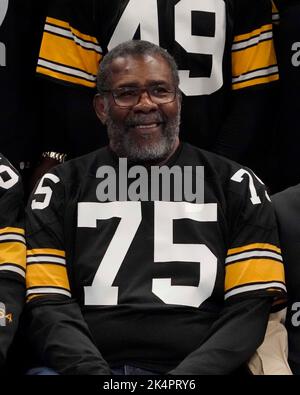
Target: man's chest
x=157, y=252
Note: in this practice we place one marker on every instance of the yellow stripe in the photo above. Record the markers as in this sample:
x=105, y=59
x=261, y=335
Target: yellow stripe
x=58, y=22
x=274, y=8
x=254, y=33
x=66, y=25
x=46, y=251
x=13, y=252
x=47, y=275
x=8, y=229
x=66, y=78
x=253, y=271
x=259, y=56
x=254, y=246
x=255, y=81
x=66, y=52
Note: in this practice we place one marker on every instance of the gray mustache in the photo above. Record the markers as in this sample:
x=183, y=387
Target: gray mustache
x=144, y=118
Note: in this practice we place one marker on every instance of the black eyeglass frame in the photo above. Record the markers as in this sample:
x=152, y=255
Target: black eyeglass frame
x=141, y=90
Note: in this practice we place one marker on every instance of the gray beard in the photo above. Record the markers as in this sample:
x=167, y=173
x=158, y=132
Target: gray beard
x=124, y=144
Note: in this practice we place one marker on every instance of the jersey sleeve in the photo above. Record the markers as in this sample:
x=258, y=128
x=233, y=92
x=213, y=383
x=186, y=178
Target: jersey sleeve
x=69, y=56
x=12, y=254
x=70, y=52
x=253, y=55
x=249, y=124
x=253, y=266
x=46, y=257
x=57, y=330
x=254, y=279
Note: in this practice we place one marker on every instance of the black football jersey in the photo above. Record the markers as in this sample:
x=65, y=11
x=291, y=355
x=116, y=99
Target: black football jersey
x=12, y=254
x=151, y=275
x=223, y=48
x=287, y=210
x=21, y=25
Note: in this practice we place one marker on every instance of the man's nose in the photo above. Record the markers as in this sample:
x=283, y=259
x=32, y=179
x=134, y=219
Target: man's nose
x=145, y=103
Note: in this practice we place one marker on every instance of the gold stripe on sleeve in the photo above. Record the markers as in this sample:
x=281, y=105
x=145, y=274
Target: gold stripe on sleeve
x=254, y=246
x=13, y=253
x=253, y=271
x=47, y=275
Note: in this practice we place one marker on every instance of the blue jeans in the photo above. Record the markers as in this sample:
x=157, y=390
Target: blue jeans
x=120, y=370
x=41, y=371
x=128, y=370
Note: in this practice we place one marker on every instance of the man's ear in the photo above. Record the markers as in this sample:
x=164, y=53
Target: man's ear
x=99, y=106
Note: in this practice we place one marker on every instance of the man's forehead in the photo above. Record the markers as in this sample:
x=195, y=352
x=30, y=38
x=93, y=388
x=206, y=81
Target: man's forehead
x=148, y=66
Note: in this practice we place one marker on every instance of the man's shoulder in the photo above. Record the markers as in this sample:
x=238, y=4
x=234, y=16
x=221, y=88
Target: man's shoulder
x=287, y=208
x=210, y=160
x=287, y=200
x=6, y=162
x=85, y=165
x=236, y=182
x=10, y=180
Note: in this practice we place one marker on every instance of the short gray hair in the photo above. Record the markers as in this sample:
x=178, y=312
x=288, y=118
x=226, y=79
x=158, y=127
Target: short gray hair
x=132, y=48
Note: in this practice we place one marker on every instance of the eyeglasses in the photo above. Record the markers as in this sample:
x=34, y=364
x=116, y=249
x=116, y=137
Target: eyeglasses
x=127, y=97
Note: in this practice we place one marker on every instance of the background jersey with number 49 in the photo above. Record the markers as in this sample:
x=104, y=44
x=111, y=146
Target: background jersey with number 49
x=223, y=48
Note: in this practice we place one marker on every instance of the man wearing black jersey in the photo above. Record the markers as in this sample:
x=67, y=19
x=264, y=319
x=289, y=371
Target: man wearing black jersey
x=12, y=255
x=286, y=154
x=287, y=211
x=117, y=283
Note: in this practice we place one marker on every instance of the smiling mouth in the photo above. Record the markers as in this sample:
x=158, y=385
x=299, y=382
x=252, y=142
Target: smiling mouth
x=146, y=126
x=149, y=126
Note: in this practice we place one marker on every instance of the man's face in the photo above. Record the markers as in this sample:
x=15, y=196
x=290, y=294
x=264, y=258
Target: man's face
x=146, y=131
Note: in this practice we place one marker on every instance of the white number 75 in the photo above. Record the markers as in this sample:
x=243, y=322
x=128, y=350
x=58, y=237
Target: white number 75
x=46, y=191
x=239, y=176
x=101, y=292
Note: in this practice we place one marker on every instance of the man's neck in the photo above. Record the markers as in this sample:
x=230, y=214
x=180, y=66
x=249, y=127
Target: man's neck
x=157, y=162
